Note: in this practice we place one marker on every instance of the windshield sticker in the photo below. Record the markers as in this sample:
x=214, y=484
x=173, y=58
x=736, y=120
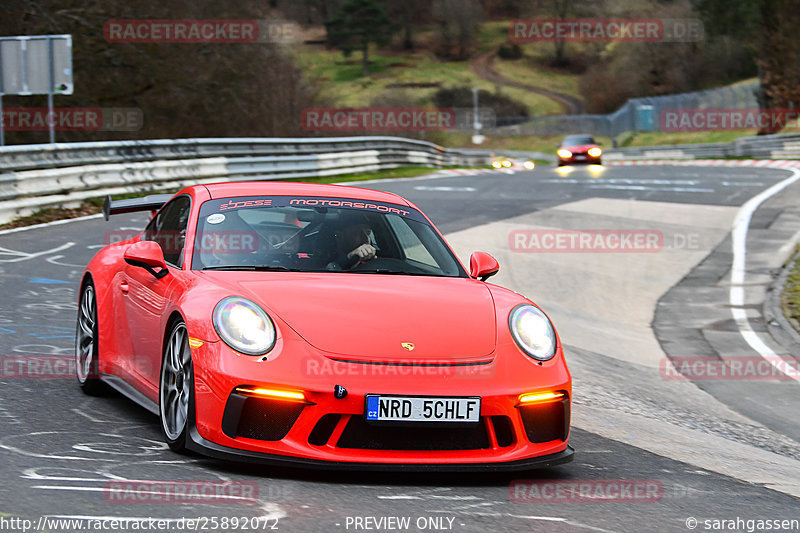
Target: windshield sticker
x=332, y=202
x=244, y=203
x=216, y=218
x=319, y=203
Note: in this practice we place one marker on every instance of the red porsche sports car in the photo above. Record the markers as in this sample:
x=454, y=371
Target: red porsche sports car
x=320, y=325
x=579, y=149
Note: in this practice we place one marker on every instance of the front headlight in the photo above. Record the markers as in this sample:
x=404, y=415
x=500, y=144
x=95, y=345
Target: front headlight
x=497, y=164
x=533, y=332
x=595, y=152
x=506, y=163
x=529, y=165
x=564, y=154
x=244, y=326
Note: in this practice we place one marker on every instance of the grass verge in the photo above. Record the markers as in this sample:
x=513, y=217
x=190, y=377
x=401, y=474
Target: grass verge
x=790, y=297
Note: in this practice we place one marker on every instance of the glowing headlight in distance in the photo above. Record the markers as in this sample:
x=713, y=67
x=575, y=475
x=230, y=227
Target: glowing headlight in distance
x=533, y=332
x=564, y=154
x=506, y=163
x=529, y=165
x=595, y=152
x=497, y=164
x=244, y=326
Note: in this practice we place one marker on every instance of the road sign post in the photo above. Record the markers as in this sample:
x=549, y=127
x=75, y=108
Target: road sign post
x=32, y=65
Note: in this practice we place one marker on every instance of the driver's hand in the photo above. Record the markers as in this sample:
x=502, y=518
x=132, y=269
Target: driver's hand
x=365, y=252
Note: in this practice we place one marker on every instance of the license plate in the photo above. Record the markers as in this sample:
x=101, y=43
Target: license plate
x=422, y=409
x=580, y=157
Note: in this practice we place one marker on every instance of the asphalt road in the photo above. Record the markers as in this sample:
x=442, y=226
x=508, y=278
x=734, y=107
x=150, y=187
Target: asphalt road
x=60, y=451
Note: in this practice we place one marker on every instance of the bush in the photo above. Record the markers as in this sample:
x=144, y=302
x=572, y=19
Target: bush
x=510, y=51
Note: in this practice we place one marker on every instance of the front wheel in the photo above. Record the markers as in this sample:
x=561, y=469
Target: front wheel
x=86, y=350
x=176, y=388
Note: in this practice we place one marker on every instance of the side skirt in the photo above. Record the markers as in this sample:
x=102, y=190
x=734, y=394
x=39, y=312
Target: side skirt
x=130, y=392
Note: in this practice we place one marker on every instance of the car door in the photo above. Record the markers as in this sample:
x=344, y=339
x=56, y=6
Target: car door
x=146, y=298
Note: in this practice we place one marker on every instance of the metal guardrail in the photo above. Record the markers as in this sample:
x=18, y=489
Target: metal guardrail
x=761, y=147
x=38, y=176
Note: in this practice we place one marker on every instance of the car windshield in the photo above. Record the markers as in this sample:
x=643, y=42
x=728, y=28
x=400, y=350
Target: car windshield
x=319, y=235
x=574, y=140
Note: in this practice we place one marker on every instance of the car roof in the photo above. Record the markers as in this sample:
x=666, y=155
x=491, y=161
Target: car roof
x=273, y=188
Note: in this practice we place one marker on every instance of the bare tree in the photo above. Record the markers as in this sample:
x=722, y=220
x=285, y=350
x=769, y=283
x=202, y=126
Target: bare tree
x=407, y=12
x=458, y=21
x=182, y=89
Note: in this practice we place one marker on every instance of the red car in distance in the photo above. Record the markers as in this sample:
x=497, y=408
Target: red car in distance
x=323, y=326
x=579, y=149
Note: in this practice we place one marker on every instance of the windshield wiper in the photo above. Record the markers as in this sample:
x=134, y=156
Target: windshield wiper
x=390, y=271
x=260, y=268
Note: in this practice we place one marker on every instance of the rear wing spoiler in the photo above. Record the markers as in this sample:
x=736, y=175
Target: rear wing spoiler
x=146, y=203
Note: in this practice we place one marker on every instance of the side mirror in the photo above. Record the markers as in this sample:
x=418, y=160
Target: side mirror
x=482, y=266
x=147, y=255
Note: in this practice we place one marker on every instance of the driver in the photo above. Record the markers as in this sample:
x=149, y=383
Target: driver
x=353, y=245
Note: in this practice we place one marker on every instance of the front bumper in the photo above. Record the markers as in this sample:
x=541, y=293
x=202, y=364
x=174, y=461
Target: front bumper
x=580, y=159
x=330, y=432
x=205, y=447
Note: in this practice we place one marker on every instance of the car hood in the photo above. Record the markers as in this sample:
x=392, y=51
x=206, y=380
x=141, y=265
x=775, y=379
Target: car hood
x=369, y=317
x=578, y=147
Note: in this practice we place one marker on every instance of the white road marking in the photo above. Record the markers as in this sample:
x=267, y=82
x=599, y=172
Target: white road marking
x=623, y=181
x=93, y=419
x=646, y=188
x=139, y=492
x=55, y=261
x=445, y=189
x=543, y=518
x=435, y=175
x=741, y=224
x=26, y=256
x=455, y=498
x=48, y=224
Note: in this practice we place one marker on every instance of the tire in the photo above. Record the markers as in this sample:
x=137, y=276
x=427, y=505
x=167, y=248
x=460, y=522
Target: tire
x=176, y=388
x=86, y=351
